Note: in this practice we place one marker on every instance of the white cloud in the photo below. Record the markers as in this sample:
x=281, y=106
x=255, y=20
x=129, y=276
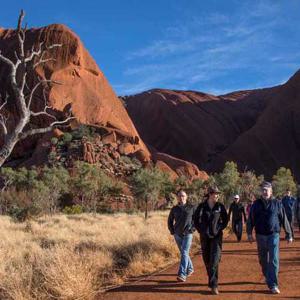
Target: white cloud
x=208, y=47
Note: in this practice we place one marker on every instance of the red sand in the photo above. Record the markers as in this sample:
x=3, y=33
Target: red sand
x=240, y=277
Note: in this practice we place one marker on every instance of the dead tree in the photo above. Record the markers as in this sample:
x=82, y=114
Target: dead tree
x=22, y=95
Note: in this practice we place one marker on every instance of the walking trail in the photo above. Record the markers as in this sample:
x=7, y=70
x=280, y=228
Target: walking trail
x=240, y=277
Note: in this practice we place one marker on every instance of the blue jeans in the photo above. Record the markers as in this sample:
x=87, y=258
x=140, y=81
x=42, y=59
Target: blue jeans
x=184, y=244
x=268, y=254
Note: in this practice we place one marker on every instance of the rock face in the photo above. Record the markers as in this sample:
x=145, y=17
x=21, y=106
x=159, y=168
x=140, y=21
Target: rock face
x=258, y=129
x=179, y=166
x=84, y=88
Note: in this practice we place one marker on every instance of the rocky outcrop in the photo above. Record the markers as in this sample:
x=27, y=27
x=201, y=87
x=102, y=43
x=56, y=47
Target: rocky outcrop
x=83, y=89
x=179, y=166
x=257, y=128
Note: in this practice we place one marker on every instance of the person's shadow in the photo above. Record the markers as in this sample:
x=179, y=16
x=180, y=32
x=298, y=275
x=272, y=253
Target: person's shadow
x=170, y=286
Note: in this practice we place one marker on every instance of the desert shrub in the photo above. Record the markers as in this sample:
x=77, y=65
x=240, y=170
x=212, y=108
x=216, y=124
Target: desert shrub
x=196, y=191
x=249, y=185
x=148, y=185
x=30, y=190
x=282, y=180
x=73, y=210
x=56, y=181
x=182, y=182
x=92, y=186
x=22, y=214
x=54, y=141
x=67, y=138
x=228, y=181
x=83, y=131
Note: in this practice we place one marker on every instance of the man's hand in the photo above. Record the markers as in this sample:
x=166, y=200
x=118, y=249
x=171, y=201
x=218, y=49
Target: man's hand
x=250, y=238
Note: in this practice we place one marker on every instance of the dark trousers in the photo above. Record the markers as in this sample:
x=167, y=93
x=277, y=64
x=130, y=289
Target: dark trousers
x=237, y=227
x=211, y=254
x=291, y=221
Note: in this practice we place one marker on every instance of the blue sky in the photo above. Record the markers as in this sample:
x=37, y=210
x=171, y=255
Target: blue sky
x=214, y=46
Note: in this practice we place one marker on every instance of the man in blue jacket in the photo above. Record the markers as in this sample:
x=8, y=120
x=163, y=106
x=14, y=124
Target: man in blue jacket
x=289, y=203
x=267, y=215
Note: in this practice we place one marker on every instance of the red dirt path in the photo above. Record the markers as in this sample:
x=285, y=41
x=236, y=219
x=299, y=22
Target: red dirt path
x=240, y=277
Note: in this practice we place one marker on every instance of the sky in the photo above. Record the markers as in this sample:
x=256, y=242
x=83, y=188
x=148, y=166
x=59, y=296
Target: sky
x=213, y=46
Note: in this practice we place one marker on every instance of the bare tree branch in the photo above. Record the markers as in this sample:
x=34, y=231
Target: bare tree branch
x=45, y=129
x=35, y=88
x=44, y=112
x=42, y=61
x=20, y=20
x=40, y=52
x=34, y=53
x=53, y=46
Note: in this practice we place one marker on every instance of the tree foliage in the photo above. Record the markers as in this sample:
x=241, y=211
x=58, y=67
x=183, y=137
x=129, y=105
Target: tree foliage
x=148, y=185
x=282, y=180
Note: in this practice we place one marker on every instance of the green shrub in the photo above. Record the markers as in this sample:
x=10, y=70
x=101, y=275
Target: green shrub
x=67, y=138
x=148, y=185
x=83, y=130
x=22, y=214
x=54, y=141
x=283, y=180
x=73, y=210
x=228, y=181
x=91, y=186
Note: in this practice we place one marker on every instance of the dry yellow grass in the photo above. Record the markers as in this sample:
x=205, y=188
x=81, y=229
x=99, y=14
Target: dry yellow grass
x=73, y=257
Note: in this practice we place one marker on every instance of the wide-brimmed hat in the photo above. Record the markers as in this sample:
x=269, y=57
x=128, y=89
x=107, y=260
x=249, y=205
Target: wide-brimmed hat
x=213, y=190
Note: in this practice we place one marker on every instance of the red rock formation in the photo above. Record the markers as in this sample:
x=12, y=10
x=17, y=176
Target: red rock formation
x=257, y=129
x=126, y=149
x=89, y=153
x=181, y=167
x=165, y=168
x=84, y=89
x=84, y=86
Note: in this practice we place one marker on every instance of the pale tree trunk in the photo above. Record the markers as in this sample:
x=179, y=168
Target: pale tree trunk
x=20, y=88
x=11, y=140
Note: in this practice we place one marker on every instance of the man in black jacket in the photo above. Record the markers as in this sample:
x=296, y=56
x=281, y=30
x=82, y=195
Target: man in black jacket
x=210, y=219
x=180, y=224
x=267, y=215
x=238, y=212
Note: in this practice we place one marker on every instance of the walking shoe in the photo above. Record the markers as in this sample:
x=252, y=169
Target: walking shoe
x=275, y=290
x=190, y=273
x=181, y=279
x=215, y=291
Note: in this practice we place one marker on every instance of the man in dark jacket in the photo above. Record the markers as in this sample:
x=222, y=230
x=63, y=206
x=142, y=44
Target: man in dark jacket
x=267, y=215
x=210, y=219
x=180, y=224
x=237, y=210
x=289, y=203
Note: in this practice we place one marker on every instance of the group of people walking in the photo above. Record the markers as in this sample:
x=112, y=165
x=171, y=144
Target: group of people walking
x=266, y=215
